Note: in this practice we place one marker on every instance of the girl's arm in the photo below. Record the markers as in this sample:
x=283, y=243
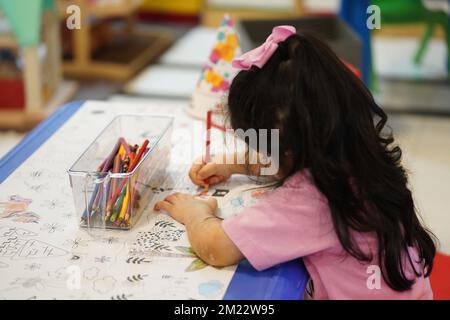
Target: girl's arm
x=206, y=235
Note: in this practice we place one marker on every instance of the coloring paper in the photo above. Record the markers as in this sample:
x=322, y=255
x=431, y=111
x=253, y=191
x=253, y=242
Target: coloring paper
x=44, y=254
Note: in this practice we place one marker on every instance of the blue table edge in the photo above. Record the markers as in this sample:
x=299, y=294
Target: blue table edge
x=286, y=281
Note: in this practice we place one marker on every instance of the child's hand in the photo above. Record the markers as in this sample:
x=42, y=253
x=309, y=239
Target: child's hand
x=203, y=174
x=183, y=207
x=205, y=232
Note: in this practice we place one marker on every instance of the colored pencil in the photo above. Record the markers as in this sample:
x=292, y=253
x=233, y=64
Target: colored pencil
x=117, y=205
x=110, y=158
x=208, y=144
x=139, y=155
x=208, y=137
x=104, y=167
x=124, y=207
x=118, y=196
x=125, y=145
x=132, y=166
x=113, y=183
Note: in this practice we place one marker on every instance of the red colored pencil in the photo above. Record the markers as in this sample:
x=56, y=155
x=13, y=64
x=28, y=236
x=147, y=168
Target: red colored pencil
x=139, y=155
x=208, y=137
x=208, y=144
x=131, y=168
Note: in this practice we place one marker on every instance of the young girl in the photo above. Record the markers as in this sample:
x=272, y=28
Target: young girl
x=342, y=204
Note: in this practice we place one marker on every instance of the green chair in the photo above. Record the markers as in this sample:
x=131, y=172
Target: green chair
x=413, y=11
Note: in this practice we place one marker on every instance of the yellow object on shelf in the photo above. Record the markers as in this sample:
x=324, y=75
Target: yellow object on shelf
x=238, y=10
x=173, y=6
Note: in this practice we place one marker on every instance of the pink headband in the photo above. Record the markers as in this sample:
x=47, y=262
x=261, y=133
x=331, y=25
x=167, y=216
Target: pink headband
x=259, y=56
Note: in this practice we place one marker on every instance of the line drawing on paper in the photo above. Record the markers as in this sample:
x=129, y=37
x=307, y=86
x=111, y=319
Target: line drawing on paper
x=159, y=238
x=177, y=287
x=122, y=296
x=155, y=253
x=35, y=174
x=137, y=260
x=53, y=204
x=102, y=259
x=52, y=227
x=91, y=273
x=37, y=283
x=37, y=188
x=104, y=285
x=60, y=273
x=15, y=248
x=76, y=242
x=164, y=224
x=17, y=232
x=32, y=266
x=68, y=215
x=136, y=278
x=220, y=192
x=110, y=240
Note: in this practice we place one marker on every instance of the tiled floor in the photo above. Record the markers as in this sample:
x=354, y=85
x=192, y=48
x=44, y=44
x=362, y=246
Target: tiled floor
x=426, y=145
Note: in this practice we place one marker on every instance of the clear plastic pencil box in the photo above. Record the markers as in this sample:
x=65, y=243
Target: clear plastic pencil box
x=93, y=190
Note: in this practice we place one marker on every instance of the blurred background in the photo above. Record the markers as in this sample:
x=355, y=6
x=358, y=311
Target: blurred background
x=141, y=51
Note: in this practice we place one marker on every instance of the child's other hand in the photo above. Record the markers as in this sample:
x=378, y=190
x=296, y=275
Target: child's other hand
x=211, y=173
x=183, y=206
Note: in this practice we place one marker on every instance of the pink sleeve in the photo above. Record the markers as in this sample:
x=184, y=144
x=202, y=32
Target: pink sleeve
x=287, y=224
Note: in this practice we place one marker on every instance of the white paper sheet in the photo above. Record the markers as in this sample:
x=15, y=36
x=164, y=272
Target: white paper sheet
x=164, y=81
x=45, y=255
x=192, y=49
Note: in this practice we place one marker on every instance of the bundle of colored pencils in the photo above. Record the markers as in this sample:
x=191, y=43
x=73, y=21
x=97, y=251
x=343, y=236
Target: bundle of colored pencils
x=121, y=195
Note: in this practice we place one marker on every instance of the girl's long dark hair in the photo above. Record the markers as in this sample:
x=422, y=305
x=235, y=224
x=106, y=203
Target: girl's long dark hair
x=330, y=124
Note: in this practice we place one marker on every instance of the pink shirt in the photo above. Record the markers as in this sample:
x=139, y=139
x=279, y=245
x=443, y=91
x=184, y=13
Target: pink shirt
x=294, y=221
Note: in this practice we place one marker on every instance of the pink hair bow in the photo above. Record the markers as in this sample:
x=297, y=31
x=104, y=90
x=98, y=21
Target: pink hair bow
x=259, y=56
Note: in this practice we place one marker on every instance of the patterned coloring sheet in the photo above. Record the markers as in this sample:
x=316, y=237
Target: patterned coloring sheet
x=44, y=254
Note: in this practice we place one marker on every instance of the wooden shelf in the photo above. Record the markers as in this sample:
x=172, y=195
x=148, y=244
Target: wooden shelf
x=24, y=121
x=7, y=41
x=123, y=54
x=123, y=8
x=101, y=11
x=19, y=120
x=115, y=63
